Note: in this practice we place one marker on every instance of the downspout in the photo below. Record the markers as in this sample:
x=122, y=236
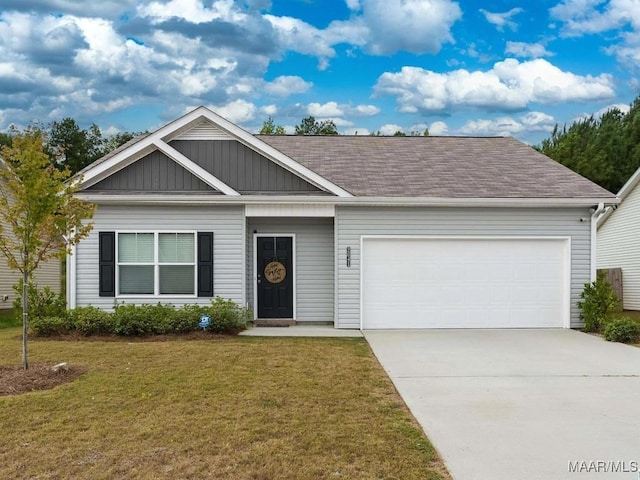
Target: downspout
x=594, y=234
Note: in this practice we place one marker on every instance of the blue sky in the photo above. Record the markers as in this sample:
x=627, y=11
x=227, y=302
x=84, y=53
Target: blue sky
x=455, y=67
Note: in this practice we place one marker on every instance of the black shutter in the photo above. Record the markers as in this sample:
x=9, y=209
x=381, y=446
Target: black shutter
x=205, y=264
x=107, y=264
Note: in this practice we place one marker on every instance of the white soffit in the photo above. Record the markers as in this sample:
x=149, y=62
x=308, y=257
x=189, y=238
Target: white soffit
x=292, y=210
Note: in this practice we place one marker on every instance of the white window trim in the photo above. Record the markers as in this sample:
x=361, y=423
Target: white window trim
x=156, y=266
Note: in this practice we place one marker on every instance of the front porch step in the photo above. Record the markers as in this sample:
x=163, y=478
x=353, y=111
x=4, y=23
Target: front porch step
x=274, y=322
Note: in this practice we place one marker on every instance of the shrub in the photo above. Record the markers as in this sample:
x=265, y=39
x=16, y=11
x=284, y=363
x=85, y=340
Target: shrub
x=141, y=320
x=91, y=321
x=45, y=326
x=227, y=316
x=130, y=319
x=42, y=303
x=599, y=301
x=187, y=319
x=622, y=330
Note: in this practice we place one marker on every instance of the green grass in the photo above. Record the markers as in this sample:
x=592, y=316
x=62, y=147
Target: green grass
x=227, y=408
x=7, y=319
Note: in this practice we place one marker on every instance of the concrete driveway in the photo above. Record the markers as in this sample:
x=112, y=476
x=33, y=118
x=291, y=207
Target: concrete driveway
x=520, y=404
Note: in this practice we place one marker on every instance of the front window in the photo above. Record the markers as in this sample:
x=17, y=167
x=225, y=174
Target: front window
x=156, y=263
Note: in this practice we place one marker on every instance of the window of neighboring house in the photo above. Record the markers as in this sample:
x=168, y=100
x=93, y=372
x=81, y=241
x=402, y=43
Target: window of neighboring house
x=156, y=263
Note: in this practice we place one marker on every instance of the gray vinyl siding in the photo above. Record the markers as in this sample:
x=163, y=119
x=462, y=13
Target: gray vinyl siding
x=225, y=222
x=353, y=222
x=153, y=173
x=243, y=169
x=47, y=275
x=314, y=263
x=619, y=247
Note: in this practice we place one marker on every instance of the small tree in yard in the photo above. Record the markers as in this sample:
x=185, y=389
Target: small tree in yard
x=42, y=217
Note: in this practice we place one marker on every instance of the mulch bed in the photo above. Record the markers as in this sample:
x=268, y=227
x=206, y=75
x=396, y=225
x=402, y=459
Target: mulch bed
x=14, y=380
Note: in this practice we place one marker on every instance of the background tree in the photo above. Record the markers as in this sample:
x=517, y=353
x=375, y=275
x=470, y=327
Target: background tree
x=269, y=127
x=310, y=126
x=606, y=150
x=72, y=147
x=43, y=217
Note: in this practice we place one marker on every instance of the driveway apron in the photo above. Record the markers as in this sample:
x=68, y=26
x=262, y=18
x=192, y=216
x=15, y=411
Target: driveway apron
x=520, y=404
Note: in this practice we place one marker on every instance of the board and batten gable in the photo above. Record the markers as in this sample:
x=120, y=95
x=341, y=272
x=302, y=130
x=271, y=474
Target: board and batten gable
x=226, y=223
x=242, y=168
x=154, y=172
x=618, y=246
x=314, y=240
x=353, y=222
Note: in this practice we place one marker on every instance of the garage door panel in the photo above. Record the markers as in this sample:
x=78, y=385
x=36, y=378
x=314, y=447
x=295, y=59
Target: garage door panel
x=464, y=283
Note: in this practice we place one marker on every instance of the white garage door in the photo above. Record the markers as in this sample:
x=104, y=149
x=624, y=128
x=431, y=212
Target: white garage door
x=464, y=283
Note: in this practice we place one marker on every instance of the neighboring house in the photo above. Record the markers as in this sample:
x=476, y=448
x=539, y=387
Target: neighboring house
x=361, y=231
x=619, y=241
x=48, y=274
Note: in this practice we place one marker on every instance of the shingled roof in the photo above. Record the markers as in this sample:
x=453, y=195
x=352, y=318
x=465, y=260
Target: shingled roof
x=449, y=167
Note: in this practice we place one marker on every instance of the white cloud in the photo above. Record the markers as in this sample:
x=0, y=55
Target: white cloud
x=503, y=126
x=581, y=17
x=194, y=11
x=501, y=20
x=286, y=85
x=509, y=85
x=339, y=122
x=438, y=128
x=527, y=50
x=334, y=109
x=353, y=4
x=623, y=107
x=538, y=122
x=508, y=126
x=363, y=110
x=299, y=36
x=329, y=109
x=390, y=129
x=270, y=110
x=417, y=26
x=356, y=131
x=238, y=111
x=381, y=27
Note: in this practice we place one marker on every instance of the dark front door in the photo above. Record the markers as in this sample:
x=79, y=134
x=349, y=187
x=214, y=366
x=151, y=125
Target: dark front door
x=275, y=277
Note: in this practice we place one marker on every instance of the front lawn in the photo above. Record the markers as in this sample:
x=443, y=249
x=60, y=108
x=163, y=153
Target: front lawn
x=225, y=408
x=8, y=319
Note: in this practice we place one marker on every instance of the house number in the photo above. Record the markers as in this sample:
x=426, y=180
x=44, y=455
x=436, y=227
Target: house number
x=275, y=272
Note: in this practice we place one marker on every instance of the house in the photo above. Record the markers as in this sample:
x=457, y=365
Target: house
x=47, y=274
x=619, y=241
x=362, y=231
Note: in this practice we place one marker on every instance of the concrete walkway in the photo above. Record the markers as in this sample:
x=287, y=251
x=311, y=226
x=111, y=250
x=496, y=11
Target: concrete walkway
x=520, y=404
x=301, y=331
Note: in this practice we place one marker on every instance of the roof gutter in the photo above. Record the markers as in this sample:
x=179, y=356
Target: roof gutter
x=211, y=199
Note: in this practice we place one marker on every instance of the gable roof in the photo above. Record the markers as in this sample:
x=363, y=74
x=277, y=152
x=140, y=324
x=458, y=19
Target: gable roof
x=158, y=140
x=427, y=170
x=449, y=167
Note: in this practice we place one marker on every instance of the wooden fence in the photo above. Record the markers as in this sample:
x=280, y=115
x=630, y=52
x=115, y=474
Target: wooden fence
x=614, y=277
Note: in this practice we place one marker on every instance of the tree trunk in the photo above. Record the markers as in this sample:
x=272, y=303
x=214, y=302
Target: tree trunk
x=25, y=319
